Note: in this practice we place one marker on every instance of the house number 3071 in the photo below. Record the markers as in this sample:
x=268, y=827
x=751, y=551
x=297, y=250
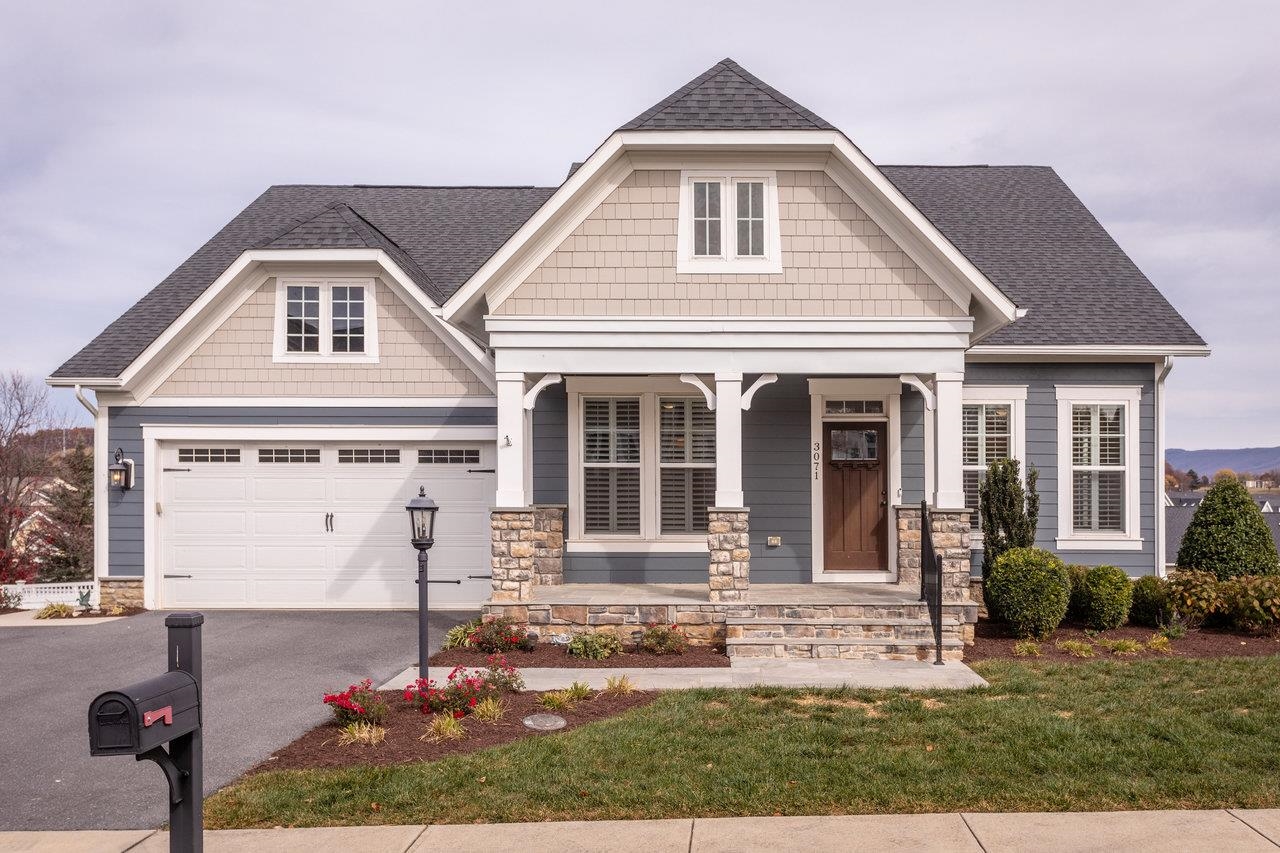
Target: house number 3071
x=817, y=458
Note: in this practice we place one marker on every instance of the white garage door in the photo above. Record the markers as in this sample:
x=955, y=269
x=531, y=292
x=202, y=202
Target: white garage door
x=320, y=524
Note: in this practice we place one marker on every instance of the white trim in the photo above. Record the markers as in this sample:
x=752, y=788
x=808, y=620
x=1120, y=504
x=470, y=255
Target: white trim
x=644, y=324
x=637, y=546
x=1162, y=498
x=325, y=285
x=728, y=261
x=992, y=352
x=330, y=433
x=101, y=493
x=531, y=396
x=324, y=402
x=1131, y=539
x=890, y=391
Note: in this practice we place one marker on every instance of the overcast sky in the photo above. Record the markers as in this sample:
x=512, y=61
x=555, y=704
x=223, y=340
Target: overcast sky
x=132, y=131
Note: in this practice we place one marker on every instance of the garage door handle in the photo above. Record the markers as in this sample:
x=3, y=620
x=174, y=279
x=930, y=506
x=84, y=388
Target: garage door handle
x=481, y=470
x=328, y=522
x=177, y=576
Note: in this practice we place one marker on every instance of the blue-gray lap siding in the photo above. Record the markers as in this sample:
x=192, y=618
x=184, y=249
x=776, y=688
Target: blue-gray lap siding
x=124, y=430
x=775, y=479
x=1042, y=448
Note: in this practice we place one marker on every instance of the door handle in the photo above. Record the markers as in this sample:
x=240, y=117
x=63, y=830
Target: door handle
x=328, y=522
x=331, y=524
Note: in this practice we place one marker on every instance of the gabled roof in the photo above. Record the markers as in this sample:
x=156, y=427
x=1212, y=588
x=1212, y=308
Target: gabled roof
x=446, y=232
x=727, y=97
x=1034, y=238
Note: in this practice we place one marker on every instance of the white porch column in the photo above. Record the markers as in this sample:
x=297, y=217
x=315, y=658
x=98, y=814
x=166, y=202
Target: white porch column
x=948, y=413
x=513, y=436
x=729, y=440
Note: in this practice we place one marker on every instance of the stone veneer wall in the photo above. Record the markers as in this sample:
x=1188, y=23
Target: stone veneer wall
x=951, y=536
x=120, y=592
x=548, y=545
x=511, y=530
x=729, y=543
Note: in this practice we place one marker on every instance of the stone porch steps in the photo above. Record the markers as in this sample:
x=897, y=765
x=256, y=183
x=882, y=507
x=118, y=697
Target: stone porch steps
x=865, y=638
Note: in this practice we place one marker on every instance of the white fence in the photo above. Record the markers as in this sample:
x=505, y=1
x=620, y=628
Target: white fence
x=37, y=595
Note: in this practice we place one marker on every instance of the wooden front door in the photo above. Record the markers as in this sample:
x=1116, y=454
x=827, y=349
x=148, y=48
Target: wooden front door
x=855, y=497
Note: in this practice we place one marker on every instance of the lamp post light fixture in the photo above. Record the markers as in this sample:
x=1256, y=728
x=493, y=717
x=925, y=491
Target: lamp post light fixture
x=422, y=524
x=121, y=472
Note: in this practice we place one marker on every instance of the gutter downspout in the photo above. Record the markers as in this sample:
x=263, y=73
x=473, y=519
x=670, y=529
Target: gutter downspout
x=1162, y=372
x=90, y=407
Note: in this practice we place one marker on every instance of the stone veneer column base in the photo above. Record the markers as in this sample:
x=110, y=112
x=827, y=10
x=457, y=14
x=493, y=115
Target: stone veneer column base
x=548, y=544
x=951, y=535
x=729, y=544
x=512, y=532
x=120, y=592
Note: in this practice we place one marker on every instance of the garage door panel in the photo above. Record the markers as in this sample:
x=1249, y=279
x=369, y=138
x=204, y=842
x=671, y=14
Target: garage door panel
x=291, y=490
x=210, y=489
x=299, y=525
x=255, y=534
x=205, y=522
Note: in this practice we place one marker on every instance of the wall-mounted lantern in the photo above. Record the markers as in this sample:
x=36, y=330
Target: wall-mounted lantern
x=121, y=472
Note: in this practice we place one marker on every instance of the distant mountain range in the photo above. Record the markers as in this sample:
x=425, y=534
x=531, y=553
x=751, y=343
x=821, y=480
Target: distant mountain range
x=1244, y=460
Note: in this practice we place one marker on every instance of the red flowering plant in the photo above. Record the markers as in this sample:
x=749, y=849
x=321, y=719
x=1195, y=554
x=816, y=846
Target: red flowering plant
x=664, y=640
x=464, y=688
x=499, y=635
x=359, y=703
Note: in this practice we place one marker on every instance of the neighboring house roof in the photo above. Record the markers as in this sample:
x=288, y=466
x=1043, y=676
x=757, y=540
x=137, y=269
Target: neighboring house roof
x=1176, y=519
x=1036, y=241
x=447, y=231
x=727, y=97
x=1020, y=225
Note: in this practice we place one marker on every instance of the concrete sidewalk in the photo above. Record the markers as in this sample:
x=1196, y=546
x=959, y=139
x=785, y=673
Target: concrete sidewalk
x=824, y=673
x=1242, y=830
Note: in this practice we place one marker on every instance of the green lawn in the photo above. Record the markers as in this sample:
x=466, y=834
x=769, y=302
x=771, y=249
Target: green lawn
x=1096, y=736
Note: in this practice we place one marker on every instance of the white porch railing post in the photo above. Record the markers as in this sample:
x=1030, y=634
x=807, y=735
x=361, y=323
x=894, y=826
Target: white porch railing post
x=729, y=440
x=948, y=414
x=513, y=436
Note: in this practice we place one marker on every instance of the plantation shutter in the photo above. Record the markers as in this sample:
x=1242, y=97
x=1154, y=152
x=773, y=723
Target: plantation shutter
x=611, y=465
x=1098, y=467
x=686, y=462
x=985, y=437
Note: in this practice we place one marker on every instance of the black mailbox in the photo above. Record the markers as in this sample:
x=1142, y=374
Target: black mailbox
x=144, y=715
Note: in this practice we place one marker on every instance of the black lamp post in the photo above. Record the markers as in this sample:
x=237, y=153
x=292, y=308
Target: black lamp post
x=422, y=523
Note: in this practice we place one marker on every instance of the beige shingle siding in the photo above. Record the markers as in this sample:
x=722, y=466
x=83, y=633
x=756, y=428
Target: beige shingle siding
x=621, y=261
x=236, y=360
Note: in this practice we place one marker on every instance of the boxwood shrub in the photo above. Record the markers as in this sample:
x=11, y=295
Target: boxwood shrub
x=1150, y=602
x=1075, y=607
x=1028, y=588
x=1106, y=597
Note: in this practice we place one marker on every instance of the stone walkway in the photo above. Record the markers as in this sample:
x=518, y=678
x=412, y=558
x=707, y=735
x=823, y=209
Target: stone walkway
x=913, y=675
x=1242, y=830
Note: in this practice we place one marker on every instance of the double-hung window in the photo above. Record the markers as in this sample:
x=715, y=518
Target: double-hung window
x=325, y=319
x=728, y=223
x=644, y=464
x=991, y=428
x=1098, y=474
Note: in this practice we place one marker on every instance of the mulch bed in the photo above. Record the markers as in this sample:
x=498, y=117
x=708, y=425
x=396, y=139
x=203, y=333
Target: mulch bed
x=992, y=642
x=405, y=723
x=551, y=655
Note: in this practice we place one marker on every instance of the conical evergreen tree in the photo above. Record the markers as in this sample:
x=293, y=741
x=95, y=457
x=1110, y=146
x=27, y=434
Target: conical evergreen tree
x=1009, y=512
x=1228, y=535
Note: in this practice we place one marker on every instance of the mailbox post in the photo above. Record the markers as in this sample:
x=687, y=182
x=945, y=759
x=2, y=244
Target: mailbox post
x=140, y=719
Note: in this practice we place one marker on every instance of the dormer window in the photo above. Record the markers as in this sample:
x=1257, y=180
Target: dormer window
x=325, y=319
x=728, y=223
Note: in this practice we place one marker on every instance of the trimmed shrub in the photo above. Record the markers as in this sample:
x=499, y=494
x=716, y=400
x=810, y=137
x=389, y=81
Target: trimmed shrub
x=1150, y=602
x=1194, y=596
x=1107, y=597
x=1028, y=588
x=664, y=640
x=1228, y=535
x=594, y=646
x=1007, y=511
x=1075, y=607
x=500, y=635
x=1251, y=602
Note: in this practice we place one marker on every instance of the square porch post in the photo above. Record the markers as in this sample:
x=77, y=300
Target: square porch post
x=511, y=521
x=728, y=534
x=948, y=459
x=512, y=435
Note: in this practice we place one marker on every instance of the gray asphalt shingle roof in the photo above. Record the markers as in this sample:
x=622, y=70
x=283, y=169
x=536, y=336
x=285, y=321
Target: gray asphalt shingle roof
x=1036, y=241
x=727, y=97
x=1020, y=225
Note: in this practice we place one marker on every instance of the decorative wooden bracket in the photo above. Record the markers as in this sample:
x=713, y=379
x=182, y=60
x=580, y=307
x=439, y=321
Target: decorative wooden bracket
x=531, y=396
x=763, y=380
x=692, y=379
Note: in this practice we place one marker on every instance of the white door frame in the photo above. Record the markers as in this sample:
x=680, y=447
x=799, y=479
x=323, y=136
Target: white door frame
x=890, y=392
x=152, y=466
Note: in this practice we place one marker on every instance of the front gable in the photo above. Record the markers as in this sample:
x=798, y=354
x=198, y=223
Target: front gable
x=621, y=261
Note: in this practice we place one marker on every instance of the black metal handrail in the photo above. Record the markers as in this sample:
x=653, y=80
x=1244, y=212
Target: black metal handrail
x=931, y=579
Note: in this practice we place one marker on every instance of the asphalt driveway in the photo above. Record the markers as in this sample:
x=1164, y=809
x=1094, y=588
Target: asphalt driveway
x=264, y=671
